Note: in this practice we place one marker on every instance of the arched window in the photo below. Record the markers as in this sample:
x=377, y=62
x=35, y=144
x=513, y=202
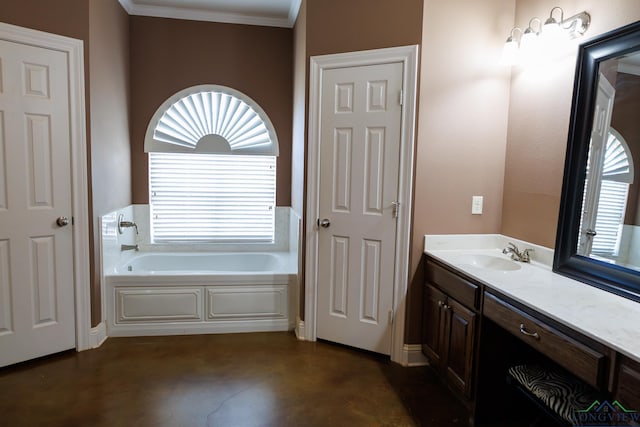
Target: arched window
x=212, y=168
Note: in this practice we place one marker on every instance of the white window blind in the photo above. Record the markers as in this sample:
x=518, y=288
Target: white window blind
x=611, y=209
x=617, y=174
x=211, y=198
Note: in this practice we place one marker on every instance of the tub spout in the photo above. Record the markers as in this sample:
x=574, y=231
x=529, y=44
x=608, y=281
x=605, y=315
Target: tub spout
x=129, y=248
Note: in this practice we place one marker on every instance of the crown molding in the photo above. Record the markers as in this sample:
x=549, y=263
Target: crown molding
x=210, y=16
x=293, y=12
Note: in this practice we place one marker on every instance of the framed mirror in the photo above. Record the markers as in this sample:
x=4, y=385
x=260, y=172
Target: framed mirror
x=598, y=239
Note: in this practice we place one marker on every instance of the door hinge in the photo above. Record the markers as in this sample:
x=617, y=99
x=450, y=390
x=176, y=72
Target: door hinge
x=396, y=208
x=73, y=221
x=391, y=317
x=401, y=97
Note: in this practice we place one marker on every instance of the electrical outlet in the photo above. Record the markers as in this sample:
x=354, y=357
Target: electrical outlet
x=476, y=205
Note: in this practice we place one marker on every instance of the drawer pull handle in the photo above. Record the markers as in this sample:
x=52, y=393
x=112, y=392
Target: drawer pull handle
x=524, y=331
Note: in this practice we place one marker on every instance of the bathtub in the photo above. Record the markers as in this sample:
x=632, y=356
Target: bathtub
x=170, y=293
x=194, y=263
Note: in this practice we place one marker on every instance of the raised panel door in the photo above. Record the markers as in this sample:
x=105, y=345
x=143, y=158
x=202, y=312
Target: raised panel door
x=459, y=345
x=433, y=323
x=37, y=309
x=359, y=164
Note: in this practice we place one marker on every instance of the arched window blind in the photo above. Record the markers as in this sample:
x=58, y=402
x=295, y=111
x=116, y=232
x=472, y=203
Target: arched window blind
x=211, y=119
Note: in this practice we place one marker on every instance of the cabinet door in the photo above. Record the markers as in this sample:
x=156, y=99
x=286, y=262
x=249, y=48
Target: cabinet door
x=432, y=324
x=628, y=385
x=459, y=345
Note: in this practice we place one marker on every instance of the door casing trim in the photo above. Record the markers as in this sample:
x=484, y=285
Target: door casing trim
x=408, y=56
x=74, y=49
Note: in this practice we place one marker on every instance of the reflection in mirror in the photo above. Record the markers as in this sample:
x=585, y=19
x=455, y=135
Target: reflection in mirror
x=610, y=220
x=598, y=238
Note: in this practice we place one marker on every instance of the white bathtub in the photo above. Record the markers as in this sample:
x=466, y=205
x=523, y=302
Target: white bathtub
x=162, y=293
x=190, y=263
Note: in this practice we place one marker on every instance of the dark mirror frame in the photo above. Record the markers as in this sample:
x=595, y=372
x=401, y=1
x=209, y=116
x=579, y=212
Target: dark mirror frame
x=613, y=278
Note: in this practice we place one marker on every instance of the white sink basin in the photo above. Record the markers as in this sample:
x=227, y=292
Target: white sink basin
x=489, y=262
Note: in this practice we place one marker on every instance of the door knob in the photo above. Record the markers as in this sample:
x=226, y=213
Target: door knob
x=62, y=221
x=324, y=223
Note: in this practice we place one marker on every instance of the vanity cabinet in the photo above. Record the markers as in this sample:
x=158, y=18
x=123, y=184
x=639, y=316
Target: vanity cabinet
x=449, y=325
x=627, y=383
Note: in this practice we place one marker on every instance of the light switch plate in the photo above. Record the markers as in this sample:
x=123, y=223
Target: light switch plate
x=476, y=205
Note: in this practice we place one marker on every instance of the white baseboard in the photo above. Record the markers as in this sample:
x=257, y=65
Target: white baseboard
x=186, y=328
x=300, y=329
x=412, y=355
x=98, y=335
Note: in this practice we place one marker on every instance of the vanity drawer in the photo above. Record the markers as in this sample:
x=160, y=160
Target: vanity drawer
x=583, y=361
x=454, y=285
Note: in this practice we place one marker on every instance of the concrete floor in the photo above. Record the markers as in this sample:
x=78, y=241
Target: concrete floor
x=268, y=379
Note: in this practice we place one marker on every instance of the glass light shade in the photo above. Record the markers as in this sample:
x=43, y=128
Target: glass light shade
x=529, y=40
x=510, y=52
x=551, y=30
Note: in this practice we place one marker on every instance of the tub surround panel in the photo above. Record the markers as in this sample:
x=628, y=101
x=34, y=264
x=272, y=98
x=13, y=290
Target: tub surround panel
x=159, y=305
x=111, y=239
x=630, y=245
x=281, y=243
x=600, y=315
x=257, y=302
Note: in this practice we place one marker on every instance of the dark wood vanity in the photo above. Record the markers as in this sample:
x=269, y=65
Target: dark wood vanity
x=472, y=333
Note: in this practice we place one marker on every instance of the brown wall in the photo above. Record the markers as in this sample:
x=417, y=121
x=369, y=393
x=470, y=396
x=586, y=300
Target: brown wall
x=335, y=26
x=168, y=55
x=64, y=17
x=625, y=120
x=462, y=127
x=109, y=123
x=539, y=121
x=298, y=151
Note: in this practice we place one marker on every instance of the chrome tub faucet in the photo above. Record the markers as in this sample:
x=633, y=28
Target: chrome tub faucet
x=129, y=248
x=516, y=254
x=125, y=224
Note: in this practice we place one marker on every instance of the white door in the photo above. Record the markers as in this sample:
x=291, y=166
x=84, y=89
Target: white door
x=37, y=311
x=360, y=134
x=597, y=146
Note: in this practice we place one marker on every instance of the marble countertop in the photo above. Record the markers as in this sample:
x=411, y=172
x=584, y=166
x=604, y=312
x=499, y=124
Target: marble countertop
x=600, y=315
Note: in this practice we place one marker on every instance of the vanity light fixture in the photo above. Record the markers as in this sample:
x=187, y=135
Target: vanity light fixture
x=552, y=31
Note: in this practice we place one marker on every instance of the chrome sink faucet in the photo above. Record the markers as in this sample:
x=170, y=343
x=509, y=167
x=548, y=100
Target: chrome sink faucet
x=516, y=254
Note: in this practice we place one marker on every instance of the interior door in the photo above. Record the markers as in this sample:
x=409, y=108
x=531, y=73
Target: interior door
x=593, y=182
x=359, y=162
x=37, y=311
